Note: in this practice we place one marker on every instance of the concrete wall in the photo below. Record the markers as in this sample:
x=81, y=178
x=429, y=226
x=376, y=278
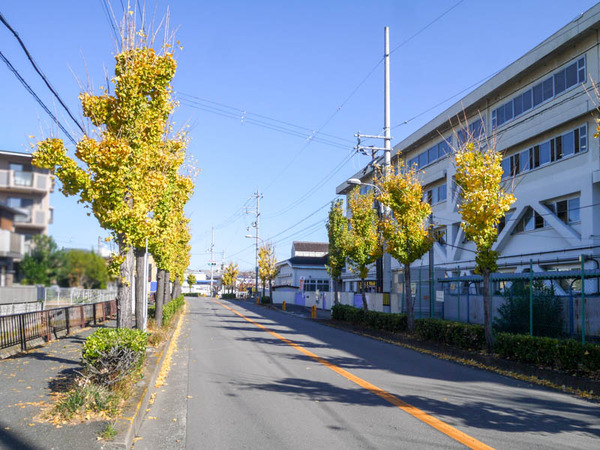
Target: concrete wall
x=21, y=294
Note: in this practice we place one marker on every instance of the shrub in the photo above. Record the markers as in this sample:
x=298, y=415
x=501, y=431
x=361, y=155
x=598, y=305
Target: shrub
x=171, y=308
x=566, y=354
x=547, y=311
x=373, y=319
x=266, y=300
x=109, y=355
x=228, y=296
x=462, y=335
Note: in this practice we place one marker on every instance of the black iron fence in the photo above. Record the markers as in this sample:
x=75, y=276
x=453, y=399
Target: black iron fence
x=19, y=331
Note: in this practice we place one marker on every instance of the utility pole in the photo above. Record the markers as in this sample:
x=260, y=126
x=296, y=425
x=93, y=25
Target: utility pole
x=256, y=224
x=212, y=259
x=384, y=264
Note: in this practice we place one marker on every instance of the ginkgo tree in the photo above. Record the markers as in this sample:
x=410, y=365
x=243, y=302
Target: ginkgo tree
x=363, y=240
x=267, y=266
x=123, y=167
x=406, y=233
x=337, y=232
x=230, y=275
x=483, y=204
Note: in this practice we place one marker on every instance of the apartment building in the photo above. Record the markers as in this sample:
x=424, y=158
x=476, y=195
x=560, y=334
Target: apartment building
x=540, y=113
x=27, y=189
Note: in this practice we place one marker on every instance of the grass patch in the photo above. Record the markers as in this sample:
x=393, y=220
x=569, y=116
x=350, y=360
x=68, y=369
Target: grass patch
x=109, y=432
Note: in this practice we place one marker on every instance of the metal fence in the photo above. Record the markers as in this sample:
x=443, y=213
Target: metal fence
x=18, y=332
x=55, y=296
x=532, y=303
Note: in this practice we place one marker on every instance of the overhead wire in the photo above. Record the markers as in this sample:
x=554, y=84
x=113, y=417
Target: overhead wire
x=39, y=71
x=37, y=99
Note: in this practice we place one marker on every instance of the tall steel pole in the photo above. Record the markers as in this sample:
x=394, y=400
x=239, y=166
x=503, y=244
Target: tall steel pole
x=386, y=113
x=387, y=260
x=212, y=259
x=257, y=236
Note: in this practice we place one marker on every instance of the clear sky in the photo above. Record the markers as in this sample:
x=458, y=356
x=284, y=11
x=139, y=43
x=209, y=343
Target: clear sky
x=273, y=92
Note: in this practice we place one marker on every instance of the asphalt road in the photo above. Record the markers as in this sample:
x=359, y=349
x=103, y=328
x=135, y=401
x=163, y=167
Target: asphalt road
x=300, y=385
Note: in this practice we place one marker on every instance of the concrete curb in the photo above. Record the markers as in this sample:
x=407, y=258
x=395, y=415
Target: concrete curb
x=130, y=421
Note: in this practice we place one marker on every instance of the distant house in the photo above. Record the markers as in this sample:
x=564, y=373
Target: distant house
x=26, y=188
x=305, y=270
x=12, y=244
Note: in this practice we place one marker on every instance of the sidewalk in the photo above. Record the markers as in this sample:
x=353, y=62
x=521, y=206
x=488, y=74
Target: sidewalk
x=26, y=383
x=303, y=311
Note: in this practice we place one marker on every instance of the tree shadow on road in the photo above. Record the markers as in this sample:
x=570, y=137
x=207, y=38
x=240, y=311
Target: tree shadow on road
x=311, y=390
x=545, y=417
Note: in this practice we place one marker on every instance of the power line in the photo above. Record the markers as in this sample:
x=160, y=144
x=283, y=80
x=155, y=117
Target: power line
x=425, y=27
x=312, y=190
x=244, y=113
x=35, y=96
x=302, y=220
x=39, y=71
x=261, y=123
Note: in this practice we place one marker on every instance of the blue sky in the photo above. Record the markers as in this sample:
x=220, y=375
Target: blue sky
x=256, y=81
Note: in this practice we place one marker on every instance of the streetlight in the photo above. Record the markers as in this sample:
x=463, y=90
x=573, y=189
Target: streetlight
x=256, y=276
x=358, y=182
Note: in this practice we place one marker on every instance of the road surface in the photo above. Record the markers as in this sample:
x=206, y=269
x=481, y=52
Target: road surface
x=246, y=377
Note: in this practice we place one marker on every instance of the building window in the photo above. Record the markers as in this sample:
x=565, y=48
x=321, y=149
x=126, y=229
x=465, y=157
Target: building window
x=23, y=204
x=557, y=148
x=440, y=235
x=566, y=210
x=503, y=221
x=541, y=92
x=311, y=285
x=431, y=155
x=436, y=194
x=531, y=220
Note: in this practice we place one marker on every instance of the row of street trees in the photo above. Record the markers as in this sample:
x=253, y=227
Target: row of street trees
x=129, y=169
x=407, y=234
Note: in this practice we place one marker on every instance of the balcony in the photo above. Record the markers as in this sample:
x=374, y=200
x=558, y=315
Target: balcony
x=12, y=245
x=18, y=181
x=31, y=219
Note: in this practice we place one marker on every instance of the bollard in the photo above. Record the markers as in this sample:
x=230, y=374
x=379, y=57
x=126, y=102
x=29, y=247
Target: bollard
x=257, y=299
x=313, y=312
x=283, y=306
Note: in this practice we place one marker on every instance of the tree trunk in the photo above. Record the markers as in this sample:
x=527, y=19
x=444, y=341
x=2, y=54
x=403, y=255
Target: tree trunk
x=336, y=292
x=160, y=297
x=487, y=314
x=139, y=287
x=410, y=305
x=167, y=295
x=364, y=295
x=264, y=284
x=271, y=289
x=176, y=288
x=124, y=294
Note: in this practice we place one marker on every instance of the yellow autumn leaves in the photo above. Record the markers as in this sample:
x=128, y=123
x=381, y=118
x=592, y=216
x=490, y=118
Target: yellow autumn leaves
x=484, y=201
x=129, y=173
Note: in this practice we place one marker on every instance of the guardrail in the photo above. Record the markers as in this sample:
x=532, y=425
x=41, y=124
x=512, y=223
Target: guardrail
x=19, y=332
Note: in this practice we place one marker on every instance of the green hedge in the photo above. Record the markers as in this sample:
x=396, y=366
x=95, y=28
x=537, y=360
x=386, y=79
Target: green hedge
x=266, y=300
x=374, y=319
x=228, y=296
x=565, y=354
x=171, y=308
x=111, y=354
x=462, y=335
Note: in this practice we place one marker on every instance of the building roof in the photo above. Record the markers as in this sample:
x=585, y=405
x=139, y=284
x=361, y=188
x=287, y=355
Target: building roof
x=11, y=153
x=315, y=261
x=311, y=246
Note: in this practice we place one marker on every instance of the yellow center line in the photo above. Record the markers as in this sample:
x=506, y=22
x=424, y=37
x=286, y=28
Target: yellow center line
x=448, y=430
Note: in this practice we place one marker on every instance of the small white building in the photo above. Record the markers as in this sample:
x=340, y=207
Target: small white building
x=306, y=269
